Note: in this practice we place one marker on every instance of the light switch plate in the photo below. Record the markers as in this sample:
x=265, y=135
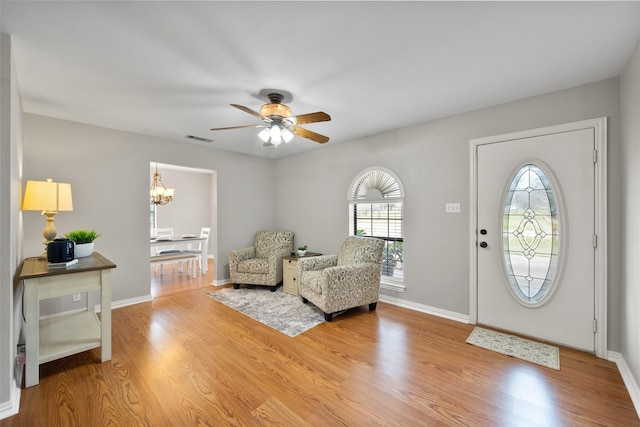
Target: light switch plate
x=452, y=207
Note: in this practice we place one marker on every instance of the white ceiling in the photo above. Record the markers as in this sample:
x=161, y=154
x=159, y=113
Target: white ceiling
x=171, y=69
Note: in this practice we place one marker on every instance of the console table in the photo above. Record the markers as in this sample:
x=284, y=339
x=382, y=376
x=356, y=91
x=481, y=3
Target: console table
x=63, y=335
x=290, y=272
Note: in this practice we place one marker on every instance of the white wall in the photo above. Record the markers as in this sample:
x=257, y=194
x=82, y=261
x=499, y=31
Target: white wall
x=630, y=292
x=432, y=160
x=109, y=174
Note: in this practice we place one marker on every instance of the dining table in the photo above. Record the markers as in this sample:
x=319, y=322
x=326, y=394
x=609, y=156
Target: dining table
x=184, y=242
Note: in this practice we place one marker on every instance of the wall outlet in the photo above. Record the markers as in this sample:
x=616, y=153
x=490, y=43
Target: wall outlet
x=452, y=207
x=76, y=297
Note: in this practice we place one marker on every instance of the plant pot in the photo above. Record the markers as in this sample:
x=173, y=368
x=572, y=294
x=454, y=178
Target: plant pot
x=301, y=253
x=83, y=250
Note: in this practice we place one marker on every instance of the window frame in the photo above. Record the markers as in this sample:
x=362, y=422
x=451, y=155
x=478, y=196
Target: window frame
x=380, y=186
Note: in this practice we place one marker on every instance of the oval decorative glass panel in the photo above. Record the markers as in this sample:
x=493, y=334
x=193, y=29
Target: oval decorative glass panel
x=530, y=235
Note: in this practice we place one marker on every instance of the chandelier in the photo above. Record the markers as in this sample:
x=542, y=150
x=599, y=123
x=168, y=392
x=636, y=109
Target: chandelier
x=160, y=195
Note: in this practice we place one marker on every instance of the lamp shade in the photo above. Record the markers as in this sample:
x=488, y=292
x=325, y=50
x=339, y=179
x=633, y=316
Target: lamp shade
x=47, y=196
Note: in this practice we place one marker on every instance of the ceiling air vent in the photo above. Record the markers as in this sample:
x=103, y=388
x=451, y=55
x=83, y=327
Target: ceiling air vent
x=199, y=138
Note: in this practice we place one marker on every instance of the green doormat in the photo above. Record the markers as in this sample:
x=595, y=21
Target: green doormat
x=278, y=310
x=531, y=351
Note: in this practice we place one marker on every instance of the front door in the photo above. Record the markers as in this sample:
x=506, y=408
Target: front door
x=536, y=236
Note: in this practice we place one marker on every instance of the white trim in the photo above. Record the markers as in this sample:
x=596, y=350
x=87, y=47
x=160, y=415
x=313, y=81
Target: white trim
x=221, y=282
x=129, y=301
x=169, y=166
x=384, y=199
x=393, y=286
x=451, y=315
x=11, y=407
x=125, y=302
x=599, y=125
x=627, y=377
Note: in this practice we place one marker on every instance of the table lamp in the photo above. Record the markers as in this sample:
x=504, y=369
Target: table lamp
x=48, y=197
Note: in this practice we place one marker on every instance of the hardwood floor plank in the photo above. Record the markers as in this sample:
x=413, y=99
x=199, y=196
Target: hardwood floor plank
x=185, y=359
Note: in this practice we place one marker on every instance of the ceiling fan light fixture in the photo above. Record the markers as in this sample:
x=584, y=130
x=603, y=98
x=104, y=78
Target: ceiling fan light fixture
x=276, y=134
x=278, y=123
x=286, y=135
x=264, y=134
x=281, y=110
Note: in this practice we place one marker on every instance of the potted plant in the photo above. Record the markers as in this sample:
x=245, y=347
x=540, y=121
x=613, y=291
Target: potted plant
x=390, y=257
x=302, y=250
x=83, y=240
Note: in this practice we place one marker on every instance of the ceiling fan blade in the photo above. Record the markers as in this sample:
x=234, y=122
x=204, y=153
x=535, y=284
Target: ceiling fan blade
x=305, y=133
x=252, y=112
x=240, y=127
x=312, y=118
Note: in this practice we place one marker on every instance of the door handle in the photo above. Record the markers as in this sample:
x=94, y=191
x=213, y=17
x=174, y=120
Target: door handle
x=483, y=244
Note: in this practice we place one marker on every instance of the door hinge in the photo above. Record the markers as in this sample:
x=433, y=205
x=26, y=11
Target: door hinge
x=595, y=325
x=595, y=156
x=595, y=240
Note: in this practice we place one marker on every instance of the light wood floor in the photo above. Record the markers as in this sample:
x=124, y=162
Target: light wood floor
x=187, y=360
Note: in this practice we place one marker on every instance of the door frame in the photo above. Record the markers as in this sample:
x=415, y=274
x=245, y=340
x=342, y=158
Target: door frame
x=599, y=125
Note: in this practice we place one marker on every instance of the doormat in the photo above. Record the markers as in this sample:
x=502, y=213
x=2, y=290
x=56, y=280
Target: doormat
x=281, y=311
x=531, y=351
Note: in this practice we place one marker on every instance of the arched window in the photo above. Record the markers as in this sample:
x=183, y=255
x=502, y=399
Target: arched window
x=375, y=210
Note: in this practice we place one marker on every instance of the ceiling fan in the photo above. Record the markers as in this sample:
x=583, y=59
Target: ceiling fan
x=278, y=123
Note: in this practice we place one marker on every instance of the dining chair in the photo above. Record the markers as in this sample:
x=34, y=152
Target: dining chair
x=163, y=234
x=205, y=232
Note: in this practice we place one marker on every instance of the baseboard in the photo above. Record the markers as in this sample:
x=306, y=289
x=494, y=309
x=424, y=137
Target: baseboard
x=126, y=302
x=221, y=282
x=12, y=406
x=131, y=301
x=451, y=315
x=628, y=378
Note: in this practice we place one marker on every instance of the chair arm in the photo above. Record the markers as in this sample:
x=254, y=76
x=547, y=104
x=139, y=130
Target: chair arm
x=352, y=276
x=317, y=263
x=240, y=255
x=275, y=265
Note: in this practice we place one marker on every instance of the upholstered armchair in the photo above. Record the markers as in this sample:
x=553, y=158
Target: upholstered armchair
x=261, y=264
x=348, y=279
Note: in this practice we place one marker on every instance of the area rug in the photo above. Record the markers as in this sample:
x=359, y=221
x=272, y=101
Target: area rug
x=278, y=310
x=531, y=351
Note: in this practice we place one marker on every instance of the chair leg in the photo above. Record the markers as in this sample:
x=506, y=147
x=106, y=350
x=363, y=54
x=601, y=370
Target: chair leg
x=328, y=317
x=276, y=286
x=372, y=306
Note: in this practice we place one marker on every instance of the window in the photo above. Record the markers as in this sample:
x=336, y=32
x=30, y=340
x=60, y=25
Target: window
x=375, y=210
x=153, y=217
x=531, y=235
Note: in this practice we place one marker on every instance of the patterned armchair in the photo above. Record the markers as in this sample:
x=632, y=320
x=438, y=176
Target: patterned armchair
x=261, y=264
x=349, y=279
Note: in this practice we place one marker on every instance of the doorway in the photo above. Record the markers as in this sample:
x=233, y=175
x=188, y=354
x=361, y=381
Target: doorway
x=538, y=234
x=192, y=208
